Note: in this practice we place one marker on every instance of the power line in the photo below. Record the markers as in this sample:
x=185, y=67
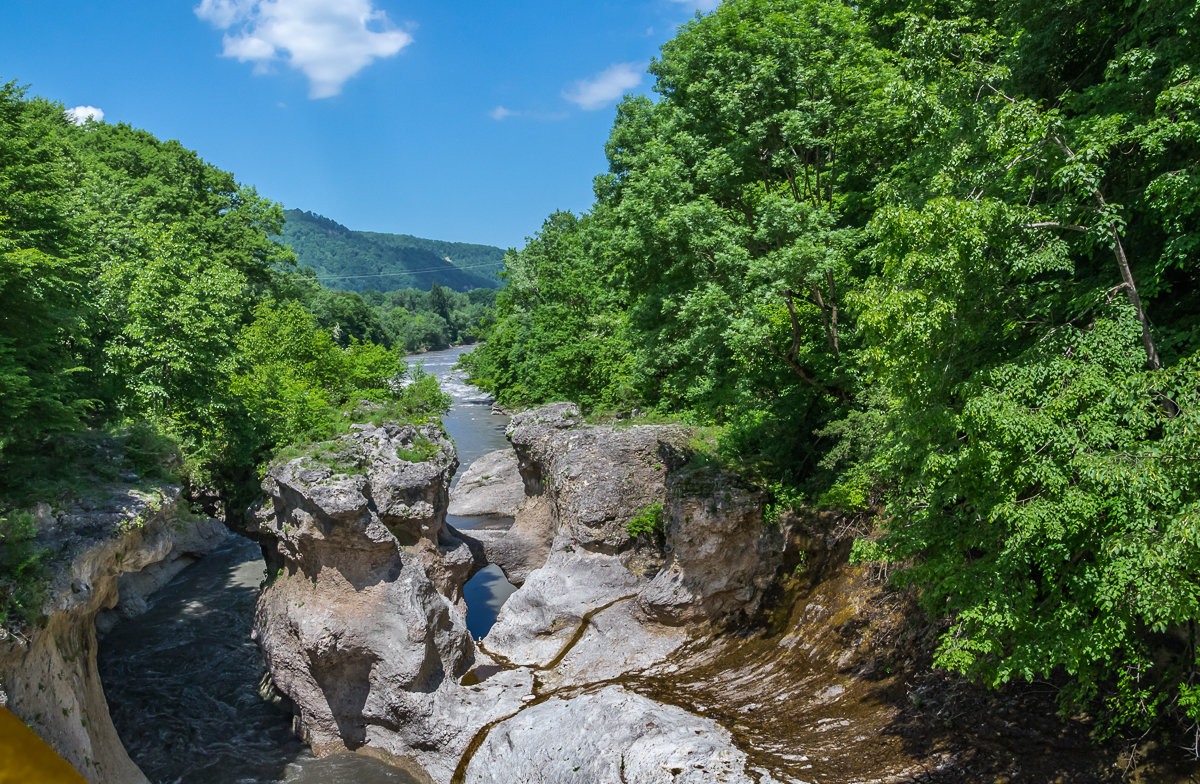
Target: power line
x=406, y=272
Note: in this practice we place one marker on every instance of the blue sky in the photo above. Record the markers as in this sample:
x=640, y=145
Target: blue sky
x=465, y=121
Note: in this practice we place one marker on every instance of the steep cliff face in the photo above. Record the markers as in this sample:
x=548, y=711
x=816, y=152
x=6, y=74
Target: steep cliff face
x=359, y=625
x=361, y=629
x=105, y=558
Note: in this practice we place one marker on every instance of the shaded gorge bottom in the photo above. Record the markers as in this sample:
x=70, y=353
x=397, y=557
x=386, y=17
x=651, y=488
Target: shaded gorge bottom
x=183, y=687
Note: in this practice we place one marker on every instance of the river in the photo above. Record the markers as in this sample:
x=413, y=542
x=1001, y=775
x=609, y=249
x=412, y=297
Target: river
x=182, y=680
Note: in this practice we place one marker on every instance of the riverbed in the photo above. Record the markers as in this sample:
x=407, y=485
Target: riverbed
x=182, y=680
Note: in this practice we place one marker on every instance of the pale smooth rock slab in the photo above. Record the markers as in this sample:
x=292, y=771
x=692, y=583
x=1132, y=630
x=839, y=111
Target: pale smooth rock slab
x=539, y=621
x=617, y=641
x=490, y=487
x=611, y=737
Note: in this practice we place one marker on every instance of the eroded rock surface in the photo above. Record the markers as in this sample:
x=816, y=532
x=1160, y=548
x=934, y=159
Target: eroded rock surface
x=361, y=631
x=522, y=547
x=596, y=478
x=359, y=625
x=490, y=487
x=537, y=622
x=611, y=737
x=722, y=559
x=49, y=673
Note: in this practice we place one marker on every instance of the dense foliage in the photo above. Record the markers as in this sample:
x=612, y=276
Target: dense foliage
x=362, y=260
x=141, y=291
x=933, y=261
x=408, y=319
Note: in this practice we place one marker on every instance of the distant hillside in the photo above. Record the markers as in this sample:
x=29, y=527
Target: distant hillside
x=362, y=260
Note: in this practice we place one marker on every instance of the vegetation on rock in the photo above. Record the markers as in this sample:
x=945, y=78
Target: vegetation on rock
x=932, y=261
x=148, y=317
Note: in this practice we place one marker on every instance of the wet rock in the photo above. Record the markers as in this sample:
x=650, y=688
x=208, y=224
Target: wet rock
x=491, y=486
x=49, y=672
x=611, y=737
x=539, y=621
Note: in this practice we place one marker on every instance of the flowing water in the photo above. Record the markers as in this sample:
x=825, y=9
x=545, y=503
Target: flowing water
x=476, y=431
x=182, y=680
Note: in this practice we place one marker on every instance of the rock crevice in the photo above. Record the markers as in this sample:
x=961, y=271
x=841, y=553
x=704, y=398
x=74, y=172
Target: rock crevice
x=106, y=561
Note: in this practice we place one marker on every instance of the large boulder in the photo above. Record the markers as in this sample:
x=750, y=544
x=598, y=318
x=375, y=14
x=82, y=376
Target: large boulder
x=598, y=478
x=540, y=621
x=490, y=487
x=358, y=624
x=390, y=482
x=610, y=737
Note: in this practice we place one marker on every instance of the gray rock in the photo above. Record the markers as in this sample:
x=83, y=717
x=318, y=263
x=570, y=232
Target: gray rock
x=521, y=548
x=617, y=641
x=491, y=486
x=599, y=478
x=611, y=737
x=539, y=621
x=359, y=626
x=722, y=559
x=49, y=672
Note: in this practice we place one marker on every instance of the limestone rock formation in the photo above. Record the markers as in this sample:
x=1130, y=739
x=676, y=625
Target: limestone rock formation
x=522, y=547
x=361, y=630
x=722, y=559
x=610, y=737
x=490, y=487
x=359, y=625
x=49, y=672
x=597, y=478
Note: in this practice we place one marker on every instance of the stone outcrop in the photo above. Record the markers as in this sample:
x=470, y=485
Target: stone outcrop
x=610, y=737
x=49, y=672
x=596, y=478
x=490, y=487
x=722, y=560
x=363, y=629
x=359, y=625
x=521, y=548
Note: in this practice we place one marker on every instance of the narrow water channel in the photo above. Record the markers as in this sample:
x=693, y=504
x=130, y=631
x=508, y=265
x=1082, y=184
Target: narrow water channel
x=182, y=680
x=476, y=431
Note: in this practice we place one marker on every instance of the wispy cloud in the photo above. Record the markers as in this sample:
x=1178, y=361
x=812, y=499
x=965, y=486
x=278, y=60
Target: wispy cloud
x=329, y=42
x=499, y=113
x=606, y=87
x=80, y=114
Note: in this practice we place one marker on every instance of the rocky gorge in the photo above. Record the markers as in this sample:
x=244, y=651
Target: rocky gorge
x=110, y=553
x=708, y=646
x=363, y=627
x=662, y=629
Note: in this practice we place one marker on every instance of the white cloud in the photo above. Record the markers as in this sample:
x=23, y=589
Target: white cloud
x=699, y=5
x=499, y=113
x=329, y=41
x=80, y=114
x=606, y=87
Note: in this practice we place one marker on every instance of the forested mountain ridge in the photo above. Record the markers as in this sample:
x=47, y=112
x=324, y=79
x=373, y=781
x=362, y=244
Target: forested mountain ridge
x=930, y=266
x=361, y=261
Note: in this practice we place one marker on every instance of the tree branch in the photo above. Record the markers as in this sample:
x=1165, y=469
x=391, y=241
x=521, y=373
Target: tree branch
x=1152, y=358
